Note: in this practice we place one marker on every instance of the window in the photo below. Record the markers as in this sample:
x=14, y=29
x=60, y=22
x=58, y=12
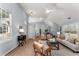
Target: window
x=5, y=25
x=71, y=28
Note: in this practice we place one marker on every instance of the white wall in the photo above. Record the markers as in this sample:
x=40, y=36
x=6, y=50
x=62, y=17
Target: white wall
x=34, y=19
x=34, y=28
x=18, y=18
x=54, y=28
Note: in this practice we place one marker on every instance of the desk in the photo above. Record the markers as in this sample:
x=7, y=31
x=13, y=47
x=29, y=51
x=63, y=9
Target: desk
x=21, y=39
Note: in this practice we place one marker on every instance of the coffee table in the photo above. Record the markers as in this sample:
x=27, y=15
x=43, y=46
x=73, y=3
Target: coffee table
x=54, y=44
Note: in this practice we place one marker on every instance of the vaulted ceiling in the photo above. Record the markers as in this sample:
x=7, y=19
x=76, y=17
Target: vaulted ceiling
x=59, y=13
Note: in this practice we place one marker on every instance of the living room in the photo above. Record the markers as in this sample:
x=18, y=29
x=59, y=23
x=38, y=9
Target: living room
x=48, y=29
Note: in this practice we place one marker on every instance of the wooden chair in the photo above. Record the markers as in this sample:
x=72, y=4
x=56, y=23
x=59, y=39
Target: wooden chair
x=38, y=48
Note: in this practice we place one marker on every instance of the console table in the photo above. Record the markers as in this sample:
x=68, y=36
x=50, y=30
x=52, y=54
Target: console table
x=21, y=39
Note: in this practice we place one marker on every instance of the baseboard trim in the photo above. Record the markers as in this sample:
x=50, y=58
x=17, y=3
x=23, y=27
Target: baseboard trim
x=4, y=54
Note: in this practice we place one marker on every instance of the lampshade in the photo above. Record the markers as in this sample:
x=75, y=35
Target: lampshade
x=21, y=30
x=58, y=33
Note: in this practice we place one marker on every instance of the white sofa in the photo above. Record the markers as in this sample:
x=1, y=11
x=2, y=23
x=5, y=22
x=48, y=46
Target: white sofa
x=74, y=47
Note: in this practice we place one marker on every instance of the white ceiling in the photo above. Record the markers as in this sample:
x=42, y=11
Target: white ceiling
x=58, y=14
x=39, y=9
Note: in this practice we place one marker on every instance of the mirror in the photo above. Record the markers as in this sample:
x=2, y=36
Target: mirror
x=5, y=24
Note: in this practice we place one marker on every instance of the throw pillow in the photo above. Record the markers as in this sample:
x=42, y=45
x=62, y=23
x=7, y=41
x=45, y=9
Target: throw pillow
x=77, y=43
x=77, y=40
x=62, y=37
x=71, y=40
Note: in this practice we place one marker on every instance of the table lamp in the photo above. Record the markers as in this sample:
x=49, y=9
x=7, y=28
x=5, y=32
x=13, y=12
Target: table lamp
x=21, y=31
x=58, y=34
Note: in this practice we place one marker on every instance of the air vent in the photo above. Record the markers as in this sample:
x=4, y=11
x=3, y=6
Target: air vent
x=69, y=18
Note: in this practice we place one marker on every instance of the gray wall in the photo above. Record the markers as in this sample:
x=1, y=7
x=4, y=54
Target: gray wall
x=18, y=18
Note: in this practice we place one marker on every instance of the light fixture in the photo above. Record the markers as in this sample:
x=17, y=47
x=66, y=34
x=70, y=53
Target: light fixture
x=48, y=10
x=30, y=12
x=41, y=19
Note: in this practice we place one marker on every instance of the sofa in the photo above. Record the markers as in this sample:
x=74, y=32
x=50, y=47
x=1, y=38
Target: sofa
x=71, y=42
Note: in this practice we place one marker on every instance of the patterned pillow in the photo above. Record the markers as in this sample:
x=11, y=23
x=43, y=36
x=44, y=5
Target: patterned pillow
x=62, y=36
x=71, y=40
x=77, y=43
x=77, y=40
